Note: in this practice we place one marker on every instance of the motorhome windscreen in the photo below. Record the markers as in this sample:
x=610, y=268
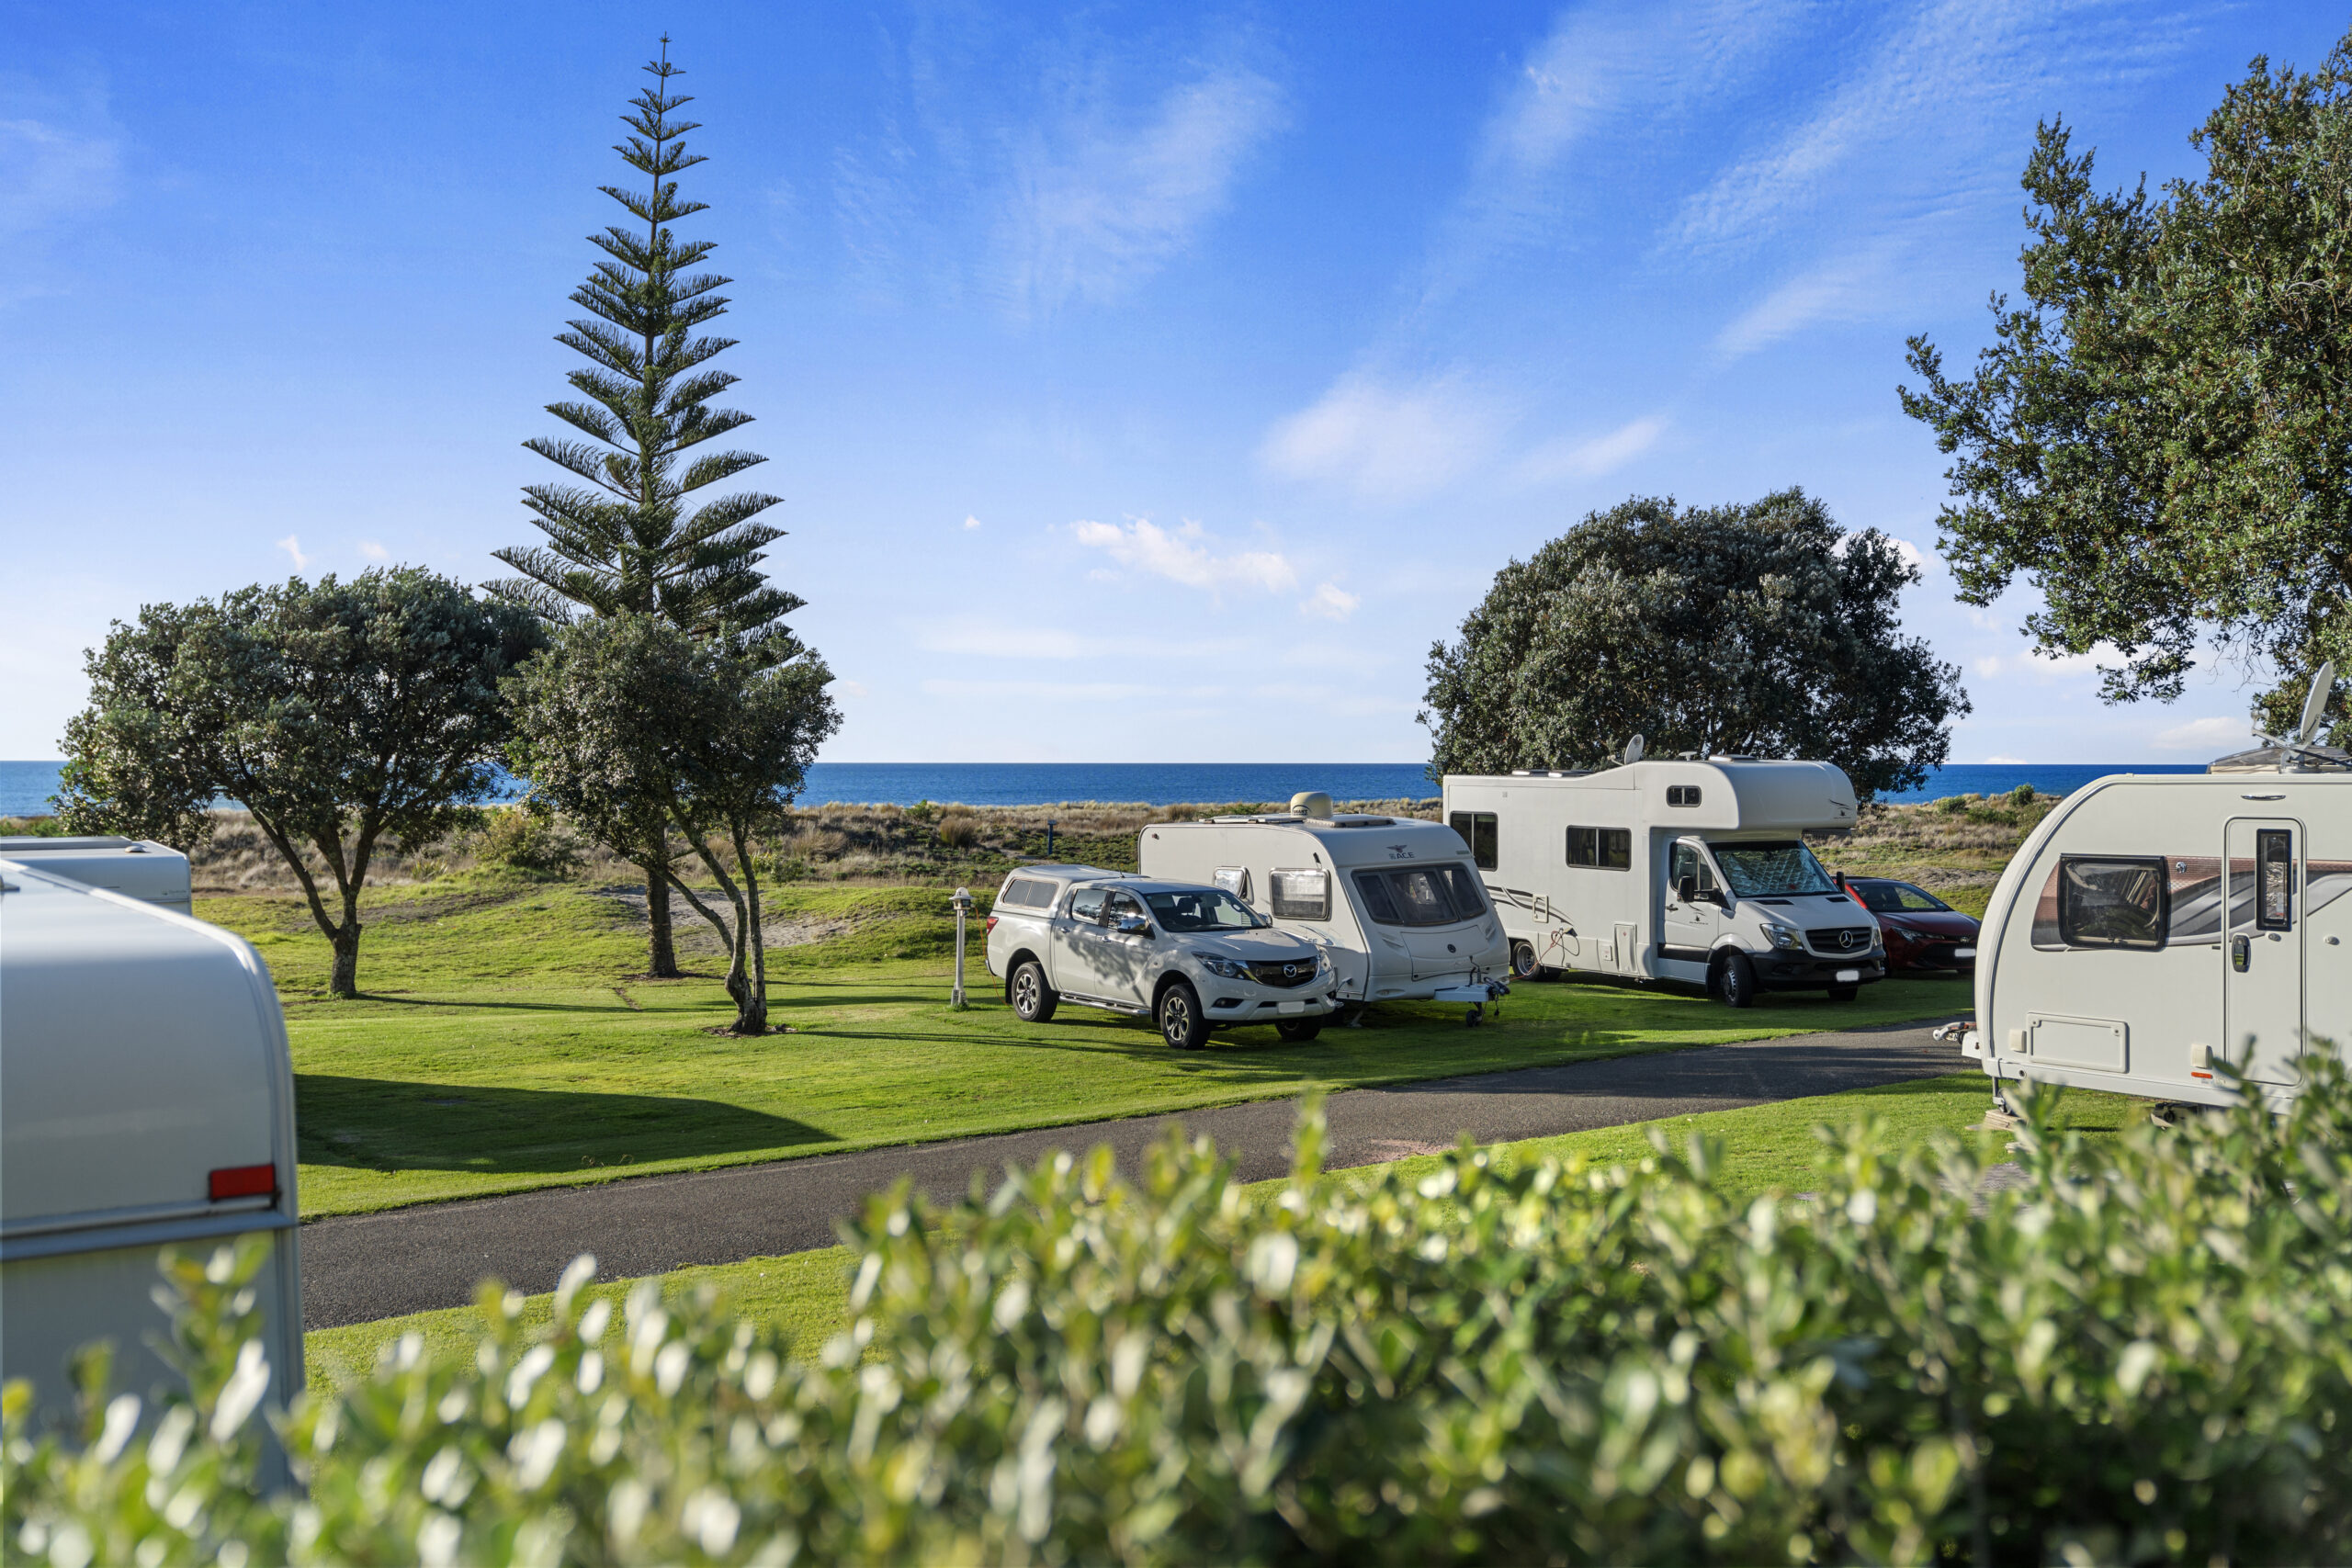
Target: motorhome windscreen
x=1771, y=870
x=1421, y=895
x=1202, y=909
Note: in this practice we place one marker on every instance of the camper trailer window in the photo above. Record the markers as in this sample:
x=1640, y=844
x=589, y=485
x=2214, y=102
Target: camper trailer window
x=2112, y=901
x=1204, y=909
x=1603, y=848
x=1769, y=870
x=1234, y=879
x=1301, y=895
x=1478, y=829
x=2274, y=860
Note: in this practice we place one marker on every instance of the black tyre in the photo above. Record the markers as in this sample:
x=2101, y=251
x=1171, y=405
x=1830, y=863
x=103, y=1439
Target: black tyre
x=1522, y=960
x=1299, y=1028
x=1735, y=982
x=1032, y=1000
x=1182, y=1022
x=1844, y=993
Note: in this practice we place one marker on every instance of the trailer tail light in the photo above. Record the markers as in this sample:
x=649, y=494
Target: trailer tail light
x=245, y=1181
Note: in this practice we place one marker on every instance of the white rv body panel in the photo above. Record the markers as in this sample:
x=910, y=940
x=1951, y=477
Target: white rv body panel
x=2253, y=910
x=143, y=1065
x=136, y=868
x=1376, y=961
x=1621, y=916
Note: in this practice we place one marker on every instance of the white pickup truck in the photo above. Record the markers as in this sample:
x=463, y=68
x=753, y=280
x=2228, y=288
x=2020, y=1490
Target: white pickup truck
x=1192, y=958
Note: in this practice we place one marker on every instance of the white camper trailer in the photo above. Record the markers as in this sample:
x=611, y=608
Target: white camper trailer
x=146, y=1101
x=136, y=868
x=1394, y=902
x=2153, y=925
x=1672, y=869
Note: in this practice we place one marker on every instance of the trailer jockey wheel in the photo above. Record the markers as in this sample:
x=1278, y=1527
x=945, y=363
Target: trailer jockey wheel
x=1477, y=1016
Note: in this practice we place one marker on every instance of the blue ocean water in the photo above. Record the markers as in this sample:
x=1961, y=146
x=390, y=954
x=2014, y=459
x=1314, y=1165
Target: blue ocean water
x=24, y=787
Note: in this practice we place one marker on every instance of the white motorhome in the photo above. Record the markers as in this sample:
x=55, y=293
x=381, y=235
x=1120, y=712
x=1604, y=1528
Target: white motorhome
x=1672, y=869
x=146, y=1101
x=1394, y=903
x=136, y=868
x=2156, y=925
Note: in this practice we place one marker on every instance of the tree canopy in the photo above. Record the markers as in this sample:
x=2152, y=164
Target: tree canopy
x=2159, y=439
x=1760, y=629
x=626, y=714
x=337, y=713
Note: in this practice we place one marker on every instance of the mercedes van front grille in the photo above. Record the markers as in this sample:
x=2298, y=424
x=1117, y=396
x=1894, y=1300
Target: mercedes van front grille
x=1839, y=938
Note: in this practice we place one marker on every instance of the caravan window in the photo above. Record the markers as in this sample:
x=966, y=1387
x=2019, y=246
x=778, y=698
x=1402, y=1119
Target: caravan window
x=1301, y=895
x=2274, y=871
x=1234, y=879
x=1603, y=848
x=2112, y=901
x=1478, y=830
x=1422, y=895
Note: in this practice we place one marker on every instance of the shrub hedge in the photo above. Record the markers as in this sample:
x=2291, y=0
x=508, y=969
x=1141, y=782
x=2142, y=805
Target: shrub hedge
x=2137, y=1351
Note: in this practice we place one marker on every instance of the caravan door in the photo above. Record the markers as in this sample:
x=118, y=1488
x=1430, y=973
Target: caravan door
x=2262, y=949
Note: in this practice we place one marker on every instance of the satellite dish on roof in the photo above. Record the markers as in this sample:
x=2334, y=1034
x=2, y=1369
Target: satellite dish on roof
x=1634, y=750
x=2316, y=705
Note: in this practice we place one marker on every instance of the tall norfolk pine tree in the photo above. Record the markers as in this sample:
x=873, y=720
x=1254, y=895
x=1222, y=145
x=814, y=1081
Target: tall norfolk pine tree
x=630, y=538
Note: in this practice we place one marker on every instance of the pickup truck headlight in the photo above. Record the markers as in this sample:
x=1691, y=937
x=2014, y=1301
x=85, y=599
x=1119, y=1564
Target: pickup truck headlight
x=1231, y=969
x=1784, y=938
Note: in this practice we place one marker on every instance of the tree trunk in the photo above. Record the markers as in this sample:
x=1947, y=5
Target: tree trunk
x=751, y=1008
x=345, y=980
x=664, y=955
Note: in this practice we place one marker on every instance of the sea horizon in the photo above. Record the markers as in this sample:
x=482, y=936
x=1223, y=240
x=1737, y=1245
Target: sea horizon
x=26, y=785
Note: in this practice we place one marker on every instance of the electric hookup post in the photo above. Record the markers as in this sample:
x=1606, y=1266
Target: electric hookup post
x=963, y=902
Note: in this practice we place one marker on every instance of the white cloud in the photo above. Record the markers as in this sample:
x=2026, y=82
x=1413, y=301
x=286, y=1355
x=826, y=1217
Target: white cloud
x=1567, y=458
x=2206, y=735
x=1101, y=201
x=1037, y=690
x=1388, y=444
x=373, y=550
x=1184, y=553
x=853, y=689
x=971, y=522
x=1330, y=602
x=292, y=546
x=64, y=157
x=2044, y=667
x=1851, y=288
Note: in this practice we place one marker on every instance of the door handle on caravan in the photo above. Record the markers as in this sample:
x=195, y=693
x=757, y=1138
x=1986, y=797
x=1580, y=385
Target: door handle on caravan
x=2241, y=952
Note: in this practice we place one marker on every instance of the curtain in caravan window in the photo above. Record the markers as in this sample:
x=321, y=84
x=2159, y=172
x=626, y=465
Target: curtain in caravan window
x=1301, y=895
x=2112, y=901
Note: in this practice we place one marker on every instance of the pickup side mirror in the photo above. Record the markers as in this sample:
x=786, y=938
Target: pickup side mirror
x=1134, y=925
x=1686, y=891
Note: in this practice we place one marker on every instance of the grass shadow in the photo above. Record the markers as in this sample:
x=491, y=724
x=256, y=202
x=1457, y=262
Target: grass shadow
x=389, y=1124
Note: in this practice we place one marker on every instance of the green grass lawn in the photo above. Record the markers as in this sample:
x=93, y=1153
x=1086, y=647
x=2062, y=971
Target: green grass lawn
x=1764, y=1149
x=502, y=1042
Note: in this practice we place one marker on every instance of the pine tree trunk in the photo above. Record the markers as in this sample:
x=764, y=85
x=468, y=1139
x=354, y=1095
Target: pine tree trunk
x=664, y=955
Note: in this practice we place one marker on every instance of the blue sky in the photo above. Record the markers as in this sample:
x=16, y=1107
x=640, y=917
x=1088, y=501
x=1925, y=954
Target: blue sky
x=1143, y=383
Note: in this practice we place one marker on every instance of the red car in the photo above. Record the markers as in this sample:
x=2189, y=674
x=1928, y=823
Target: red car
x=1922, y=930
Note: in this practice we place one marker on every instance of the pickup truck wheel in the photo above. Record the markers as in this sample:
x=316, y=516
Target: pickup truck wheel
x=1522, y=960
x=1299, y=1028
x=1032, y=1000
x=1181, y=1024
x=1735, y=982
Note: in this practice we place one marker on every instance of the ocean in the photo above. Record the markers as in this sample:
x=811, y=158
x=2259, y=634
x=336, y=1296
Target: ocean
x=24, y=787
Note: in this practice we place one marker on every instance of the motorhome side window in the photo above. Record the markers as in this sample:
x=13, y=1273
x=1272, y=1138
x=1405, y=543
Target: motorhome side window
x=1301, y=895
x=1603, y=849
x=1682, y=795
x=1478, y=830
x=2112, y=901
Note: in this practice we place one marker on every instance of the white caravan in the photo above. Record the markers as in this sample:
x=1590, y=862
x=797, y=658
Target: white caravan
x=1394, y=903
x=146, y=1101
x=2153, y=925
x=136, y=868
x=1672, y=869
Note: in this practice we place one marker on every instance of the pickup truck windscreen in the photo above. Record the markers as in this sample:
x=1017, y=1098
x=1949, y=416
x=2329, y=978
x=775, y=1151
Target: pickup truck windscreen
x=1204, y=910
x=1421, y=895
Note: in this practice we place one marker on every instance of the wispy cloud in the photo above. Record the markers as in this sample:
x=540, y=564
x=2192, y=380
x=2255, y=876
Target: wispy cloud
x=292, y=546
x=1330, y=602
x=373, y=550
x=62, y=152
x=1185, y=554
x=1388, y=444
x=1100, y=198
x=2206, y=735
x=1590, y=457
x=997, y=637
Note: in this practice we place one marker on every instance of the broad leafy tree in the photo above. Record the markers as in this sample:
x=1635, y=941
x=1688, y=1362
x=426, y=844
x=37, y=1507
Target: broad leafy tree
x=1763, y=629
x=2159, y=438
x=339, y=714
x=626, y=712
x=634, y=527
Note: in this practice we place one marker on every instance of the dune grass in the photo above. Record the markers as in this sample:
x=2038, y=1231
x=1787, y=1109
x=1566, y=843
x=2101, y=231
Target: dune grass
x=504, y=1042
x=1762, y=1149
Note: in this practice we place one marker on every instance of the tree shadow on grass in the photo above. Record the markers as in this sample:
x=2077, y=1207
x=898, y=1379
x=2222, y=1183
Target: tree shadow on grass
x=389, y=1124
